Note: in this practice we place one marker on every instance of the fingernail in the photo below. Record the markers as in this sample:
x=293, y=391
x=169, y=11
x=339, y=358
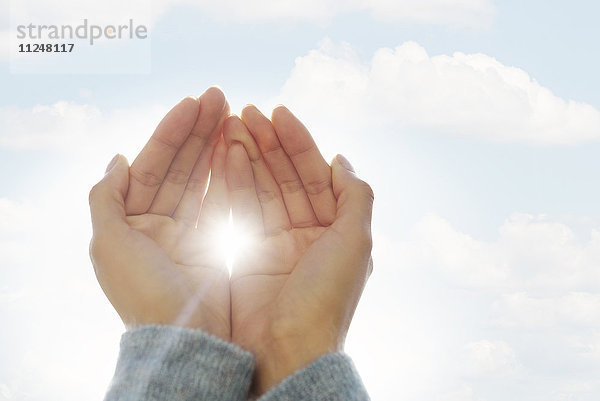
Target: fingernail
x=345, y=163
x=112, y=163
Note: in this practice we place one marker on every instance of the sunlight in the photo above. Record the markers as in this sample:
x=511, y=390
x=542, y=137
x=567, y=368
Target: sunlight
x=232, y=241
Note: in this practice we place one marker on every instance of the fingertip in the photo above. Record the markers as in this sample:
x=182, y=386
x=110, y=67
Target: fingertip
x=226, y=109
x=179, y=118
x=248, y=111
x=231, y=120
x=190, y=101
x=116, y=177
x=279, y=111
x=232, y=126
x=214, y=94
x=116, y=161
x=112, y=163
x=215, y=86
x=227, y=129
x=345, y=163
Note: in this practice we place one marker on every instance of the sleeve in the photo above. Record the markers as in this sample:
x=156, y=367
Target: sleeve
x=332, y=377
x=172, y=363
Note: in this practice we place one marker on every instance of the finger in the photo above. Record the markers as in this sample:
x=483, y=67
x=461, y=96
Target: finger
x=296, y=200
x=205, y=133
x=313, y=170
x=275, y=216
x=215, y=207
x=354, y=204
x=346, y=244
x=151, y=165
x=245, y=207
x=107, y=197
x=189, y=206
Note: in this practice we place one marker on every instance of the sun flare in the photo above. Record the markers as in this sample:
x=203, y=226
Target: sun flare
x=232, y=241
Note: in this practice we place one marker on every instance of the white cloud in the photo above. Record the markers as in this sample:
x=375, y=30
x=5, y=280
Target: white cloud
x=15, y=217
x=50, y=304
x=580, y=309
x=466, y=13
x=489, y=358
x=468, y=319
x=59, y=12
x=469, y=13
x=455, y=13
x=465, y=95
x=473, y=13
x=77, y=128
x=462, y=393
x=531, y=253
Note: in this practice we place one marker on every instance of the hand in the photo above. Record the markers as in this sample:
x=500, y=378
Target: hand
x=295, y=290
x=151, y=247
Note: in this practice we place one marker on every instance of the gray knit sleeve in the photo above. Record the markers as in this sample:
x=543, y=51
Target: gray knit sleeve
x=176, y=364
x=332, y=377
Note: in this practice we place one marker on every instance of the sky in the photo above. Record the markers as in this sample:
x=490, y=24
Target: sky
x=477, y=123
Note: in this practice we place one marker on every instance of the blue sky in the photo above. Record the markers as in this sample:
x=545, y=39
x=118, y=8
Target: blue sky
x=487, y=219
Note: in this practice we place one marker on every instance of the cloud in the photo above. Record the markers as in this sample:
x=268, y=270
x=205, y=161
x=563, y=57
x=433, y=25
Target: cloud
x=15, y=217
x=461, y=318
x=463, y=95
x=75, y=128
x=50, y=304
x=471, y=13
x=579, y=309
x=59, y=12
x=464, y=13
x=486, y=358
x=454, y=13
x=531, y=252
x=462, y=393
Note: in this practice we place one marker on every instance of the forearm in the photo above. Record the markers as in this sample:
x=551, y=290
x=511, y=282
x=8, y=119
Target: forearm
x=169, y=363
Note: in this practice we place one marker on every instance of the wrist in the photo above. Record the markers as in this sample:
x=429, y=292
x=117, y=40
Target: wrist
x=285, y=355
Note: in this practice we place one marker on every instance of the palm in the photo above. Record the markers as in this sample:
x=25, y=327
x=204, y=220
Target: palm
x=180, y=270
x=264, y=285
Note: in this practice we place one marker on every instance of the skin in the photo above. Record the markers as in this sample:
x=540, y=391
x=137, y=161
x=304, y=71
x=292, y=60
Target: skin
x=294, y=289
x=152, y=244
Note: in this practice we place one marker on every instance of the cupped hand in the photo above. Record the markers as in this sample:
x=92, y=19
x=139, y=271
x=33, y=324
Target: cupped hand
x=153, y=225
x=295, y=288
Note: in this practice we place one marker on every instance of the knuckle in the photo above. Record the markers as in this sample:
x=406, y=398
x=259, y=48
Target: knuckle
x=148, y=178
x=169, y=142
x=291, y=186
x=177, y=176
x=318, y=186
x=265, y=195
x=196, y=185
x=96, y=247
x=366, y=241
x=270, y=145
x=93, y=193
x=367, y=190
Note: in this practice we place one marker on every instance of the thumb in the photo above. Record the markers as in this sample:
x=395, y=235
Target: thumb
x=107, y=197
x=354, y=201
